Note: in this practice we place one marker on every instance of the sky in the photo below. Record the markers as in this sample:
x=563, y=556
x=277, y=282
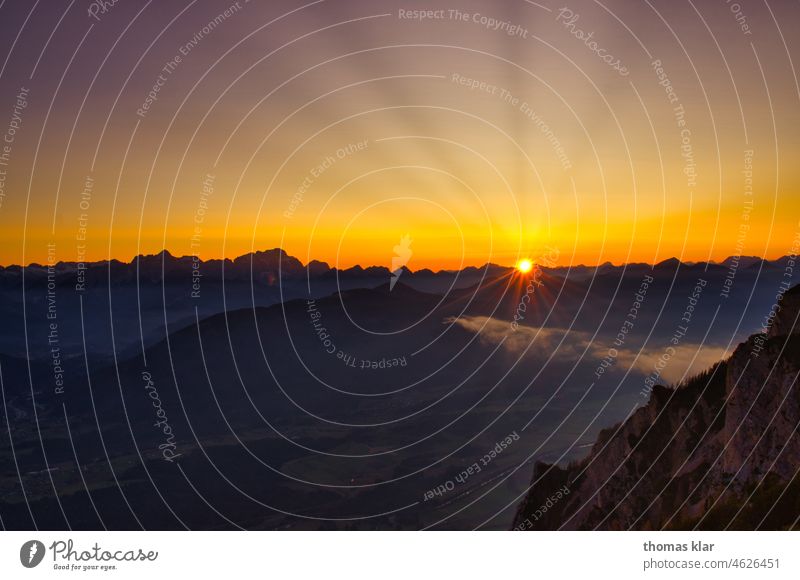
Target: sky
x=625, y=131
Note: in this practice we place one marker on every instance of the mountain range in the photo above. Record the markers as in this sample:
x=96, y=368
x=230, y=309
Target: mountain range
x=269, y=266
x=338, y=402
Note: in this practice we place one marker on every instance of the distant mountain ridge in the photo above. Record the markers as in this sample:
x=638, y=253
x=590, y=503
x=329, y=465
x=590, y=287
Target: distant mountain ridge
x=268, y=266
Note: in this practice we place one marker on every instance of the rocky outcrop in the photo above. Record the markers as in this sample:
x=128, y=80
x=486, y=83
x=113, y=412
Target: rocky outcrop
x=719, y=451
x=785, y=321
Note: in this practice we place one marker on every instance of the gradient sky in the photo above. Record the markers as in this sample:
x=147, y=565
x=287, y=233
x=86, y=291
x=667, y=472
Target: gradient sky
x=260, y=100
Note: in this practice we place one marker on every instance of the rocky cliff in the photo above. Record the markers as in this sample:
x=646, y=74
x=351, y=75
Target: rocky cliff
x=719, y=451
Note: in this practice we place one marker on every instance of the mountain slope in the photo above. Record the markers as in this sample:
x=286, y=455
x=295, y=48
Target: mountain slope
x=720, y=451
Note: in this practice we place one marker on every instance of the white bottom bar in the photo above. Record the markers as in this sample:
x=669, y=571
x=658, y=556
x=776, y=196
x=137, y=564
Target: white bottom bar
x=403, y=555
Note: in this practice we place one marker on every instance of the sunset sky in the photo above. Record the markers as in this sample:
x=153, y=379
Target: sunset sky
x=333, y=128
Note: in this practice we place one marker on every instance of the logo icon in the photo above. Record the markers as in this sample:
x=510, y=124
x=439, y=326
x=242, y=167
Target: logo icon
x=31, y=553
x=400, y=259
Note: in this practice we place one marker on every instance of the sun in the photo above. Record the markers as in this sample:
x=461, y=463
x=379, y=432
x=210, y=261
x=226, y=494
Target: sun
x=525, y=265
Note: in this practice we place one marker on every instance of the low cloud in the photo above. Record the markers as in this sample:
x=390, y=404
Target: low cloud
x=562, y=345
